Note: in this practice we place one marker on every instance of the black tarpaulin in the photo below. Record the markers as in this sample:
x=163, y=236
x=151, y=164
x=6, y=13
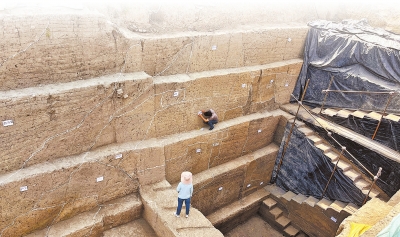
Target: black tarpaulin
x=306, y=170
x=359, y=57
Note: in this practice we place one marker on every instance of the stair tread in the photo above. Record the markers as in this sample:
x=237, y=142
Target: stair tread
x=332, y=155
x=283, y=221
x=359, y=114
x=299, y=198
x=330, y=112
x=316, y=110
x=361, y=184
x=352, y=174
x=338, y=205
x=351, y=208
x=324, y=203
x=290, y=230
x=275, y=190
x=311, y=201
x=374, y=193
x=289, y=195
x=374, y=115
x=307, y=131
x=298, y=124
x=315, y=139
x=276, y=212
x=344, y=113
x=344, y=165
x=324, y=147
x=269, y=202
x=392, y=117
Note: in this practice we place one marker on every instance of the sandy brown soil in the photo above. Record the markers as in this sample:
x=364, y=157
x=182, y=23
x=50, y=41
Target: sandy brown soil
x=254, y=227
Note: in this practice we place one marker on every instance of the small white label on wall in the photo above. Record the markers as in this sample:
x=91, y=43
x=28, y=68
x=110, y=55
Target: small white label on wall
x=8, y=123
x=334, y=219
x=220, y=188
x=99, y=179
x=216, y=144
x=176, y=93
x=259, y=130
x=272, y=81
x=198, y=150
x=244, y=85
x=286, y=84
x=214, y=47
x=23, y=188
x=248, y=185
x=261, y=183
x=289, y=39
x=118, y=156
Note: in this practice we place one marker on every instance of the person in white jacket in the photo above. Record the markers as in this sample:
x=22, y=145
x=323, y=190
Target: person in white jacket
x=185, y=192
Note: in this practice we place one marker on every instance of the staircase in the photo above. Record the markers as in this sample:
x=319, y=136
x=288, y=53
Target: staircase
x=298, y=215
x=346, y=166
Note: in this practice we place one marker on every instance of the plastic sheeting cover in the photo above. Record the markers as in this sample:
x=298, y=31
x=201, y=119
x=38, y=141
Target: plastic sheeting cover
x=306, y=170
x=359, y=57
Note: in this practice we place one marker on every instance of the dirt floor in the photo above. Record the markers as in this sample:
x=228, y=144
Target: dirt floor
x=254, y=227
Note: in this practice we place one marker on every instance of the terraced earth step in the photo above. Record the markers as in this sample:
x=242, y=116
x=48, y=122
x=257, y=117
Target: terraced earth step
x=276, y=212
x=332, y=155
x=291, y=231
x=298, y=124
x=317, y=140
x=97, y=220
x=312, y=201
x=282, y=221
x=324, y=203
x=289, y=195
x=307, y=131
x=270, y=203
x=275, y=190
x=324, y=147
x=138, y=227
x=352, y=174
x=299, y=198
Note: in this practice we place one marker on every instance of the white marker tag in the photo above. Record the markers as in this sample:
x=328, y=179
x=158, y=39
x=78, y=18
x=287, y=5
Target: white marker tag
x=244, y=85
x=176, y=93
x=286, y=84
x=220, y=188
x=214, y=47
x=118, y=156
x=99, y=179
x=7, y=123
x=334, y=219
x=261, y=183
x=23, y=188
x=216, y=144
x=248, y=185
x=289, y=39
x=259, y=130
x=198, y=150
x=272, y=81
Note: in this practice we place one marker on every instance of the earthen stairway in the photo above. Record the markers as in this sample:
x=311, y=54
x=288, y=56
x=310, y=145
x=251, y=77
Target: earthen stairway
x=289, y=210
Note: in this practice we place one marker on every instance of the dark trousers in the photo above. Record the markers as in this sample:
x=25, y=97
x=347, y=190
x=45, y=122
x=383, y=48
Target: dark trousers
x=187, y=204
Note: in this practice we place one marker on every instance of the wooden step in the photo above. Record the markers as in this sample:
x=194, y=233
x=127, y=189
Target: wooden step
x=316, y=110
x=344, y=113
x=298, y=124
x=392, y=117
x=291, y=231
x=332, y=155
x=324, y=203
x=350, y=208
x=299, y=198
x=317, y=140
x=275, y=190
x=289, y=195
x=330, y=112
x=374, y=115
x=282, y=221
x=324, y=147
x=359, y=114
x=312, y=201
x=338, y=205
x=307, y=131
x=270, y=203
x=276, y=212
x=362, y=184
x=352, y=174
x=344, y=166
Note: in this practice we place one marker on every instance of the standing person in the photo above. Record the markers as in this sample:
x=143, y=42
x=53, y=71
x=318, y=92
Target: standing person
x=210, y=117
x=185, y=192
